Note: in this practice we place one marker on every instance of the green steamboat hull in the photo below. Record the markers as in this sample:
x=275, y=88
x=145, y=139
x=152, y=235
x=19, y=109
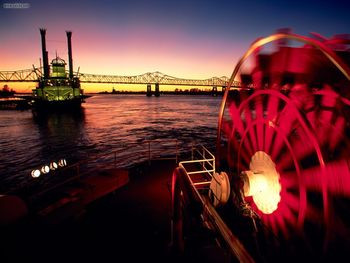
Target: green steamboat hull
x=57, y=97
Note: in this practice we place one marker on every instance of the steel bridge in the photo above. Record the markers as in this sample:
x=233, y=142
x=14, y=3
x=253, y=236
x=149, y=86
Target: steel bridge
x=33, y=75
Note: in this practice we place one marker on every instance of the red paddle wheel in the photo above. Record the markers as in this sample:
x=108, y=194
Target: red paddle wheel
x=284, y=140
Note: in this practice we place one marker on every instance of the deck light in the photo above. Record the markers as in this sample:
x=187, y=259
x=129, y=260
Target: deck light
x=45, y=169
x=36, y=173
x=62, y=162
x=53, y=165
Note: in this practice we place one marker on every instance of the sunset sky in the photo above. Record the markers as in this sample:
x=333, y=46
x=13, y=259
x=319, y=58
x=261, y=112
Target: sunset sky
x=195, y=39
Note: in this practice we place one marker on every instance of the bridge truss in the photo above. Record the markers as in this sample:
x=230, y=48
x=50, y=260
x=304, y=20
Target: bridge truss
x=25, y=75
x=33, y=75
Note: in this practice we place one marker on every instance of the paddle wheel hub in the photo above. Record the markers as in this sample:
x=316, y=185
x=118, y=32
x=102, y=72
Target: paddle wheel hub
x=261, y=182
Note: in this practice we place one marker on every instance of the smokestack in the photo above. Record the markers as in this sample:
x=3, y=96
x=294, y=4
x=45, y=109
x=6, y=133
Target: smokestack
x=70, y=58
x=45, y=53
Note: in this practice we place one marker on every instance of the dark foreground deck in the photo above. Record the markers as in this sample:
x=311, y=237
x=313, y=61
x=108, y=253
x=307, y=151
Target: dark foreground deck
x=131, y=224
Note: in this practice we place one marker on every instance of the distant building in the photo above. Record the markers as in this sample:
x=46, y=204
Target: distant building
x=6, y=92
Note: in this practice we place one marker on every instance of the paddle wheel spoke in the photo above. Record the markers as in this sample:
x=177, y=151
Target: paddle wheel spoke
x=260, y=123
x=251, y=136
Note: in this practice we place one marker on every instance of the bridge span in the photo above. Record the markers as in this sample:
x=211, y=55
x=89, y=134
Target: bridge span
x=35, y=74
x=150, y=78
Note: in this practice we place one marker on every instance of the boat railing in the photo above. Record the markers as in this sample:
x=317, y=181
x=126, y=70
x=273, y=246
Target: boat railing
x=201, y=167
x=124, y=157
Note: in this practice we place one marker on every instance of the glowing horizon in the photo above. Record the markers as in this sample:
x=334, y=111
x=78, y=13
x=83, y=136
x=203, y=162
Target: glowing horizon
x=27, y=87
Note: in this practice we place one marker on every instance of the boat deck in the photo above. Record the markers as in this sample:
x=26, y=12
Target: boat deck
x=131, y=224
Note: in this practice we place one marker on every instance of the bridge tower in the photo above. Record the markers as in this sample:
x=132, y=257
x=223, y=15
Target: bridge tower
x=214, y=91
x=223, y=89
x=156, y=92
x=149, y=90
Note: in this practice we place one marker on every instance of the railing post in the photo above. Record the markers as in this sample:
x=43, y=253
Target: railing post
x=192, y=151
x=115, y=159
x=203, y=157
x=78, y=170
x=176, y=152
x=149, y=152
x=214, y=167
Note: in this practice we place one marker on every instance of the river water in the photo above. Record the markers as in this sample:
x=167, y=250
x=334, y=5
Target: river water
x=106, y=122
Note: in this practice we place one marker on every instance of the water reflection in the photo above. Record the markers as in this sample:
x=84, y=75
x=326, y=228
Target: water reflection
x=62, y=134
x=120, y=119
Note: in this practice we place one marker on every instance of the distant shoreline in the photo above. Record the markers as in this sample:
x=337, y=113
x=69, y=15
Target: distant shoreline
x=142, y=93
x=161, y=92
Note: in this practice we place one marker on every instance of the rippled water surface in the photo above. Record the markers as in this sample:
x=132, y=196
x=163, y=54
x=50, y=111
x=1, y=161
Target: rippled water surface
x=105, y=123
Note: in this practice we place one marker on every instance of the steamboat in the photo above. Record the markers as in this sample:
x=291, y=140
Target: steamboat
x=56, y=88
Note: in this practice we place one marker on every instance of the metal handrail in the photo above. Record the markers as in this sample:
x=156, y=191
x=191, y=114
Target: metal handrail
x=114, y=153
x=206, y=158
